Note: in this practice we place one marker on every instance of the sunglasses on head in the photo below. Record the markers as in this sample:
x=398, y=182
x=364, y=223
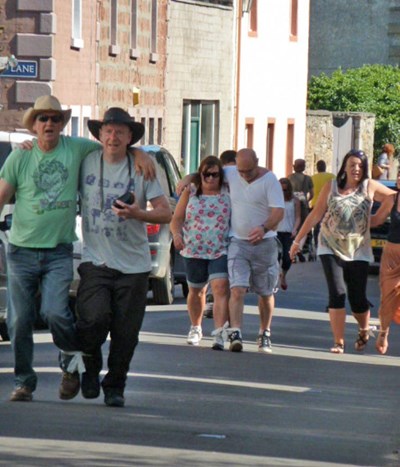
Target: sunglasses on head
x=53, y=118
x=210, y=174
x=357, y=153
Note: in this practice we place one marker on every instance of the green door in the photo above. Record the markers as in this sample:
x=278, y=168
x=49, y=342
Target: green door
x=194, y=145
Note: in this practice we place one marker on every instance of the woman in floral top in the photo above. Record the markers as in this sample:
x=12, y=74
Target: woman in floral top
x=200, y=228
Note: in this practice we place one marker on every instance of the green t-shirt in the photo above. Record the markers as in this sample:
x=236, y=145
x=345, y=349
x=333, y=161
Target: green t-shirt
x=46, y=186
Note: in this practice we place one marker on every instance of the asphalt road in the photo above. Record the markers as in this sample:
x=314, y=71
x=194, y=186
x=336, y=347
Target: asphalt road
x=191, y=406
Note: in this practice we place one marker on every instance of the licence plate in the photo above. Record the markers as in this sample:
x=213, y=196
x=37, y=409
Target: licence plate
x=377, y=243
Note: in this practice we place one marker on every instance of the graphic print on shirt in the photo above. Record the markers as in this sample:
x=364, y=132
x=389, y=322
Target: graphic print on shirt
x=103, y=220
x=50, y=178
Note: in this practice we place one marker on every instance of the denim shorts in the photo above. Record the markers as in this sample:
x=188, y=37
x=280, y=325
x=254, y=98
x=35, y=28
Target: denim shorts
x=200, y=271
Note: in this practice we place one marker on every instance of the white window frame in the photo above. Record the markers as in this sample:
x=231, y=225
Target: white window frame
x=114, y=48
x=76, y=26
x=154, y=32
x=133, y=51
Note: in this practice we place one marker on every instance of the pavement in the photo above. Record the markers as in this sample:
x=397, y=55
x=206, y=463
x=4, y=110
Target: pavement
x=192, y=406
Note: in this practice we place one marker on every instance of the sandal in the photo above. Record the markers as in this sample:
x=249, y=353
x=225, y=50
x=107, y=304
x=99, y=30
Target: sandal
x=362, y=339
x=337, y=348
x=382, y=342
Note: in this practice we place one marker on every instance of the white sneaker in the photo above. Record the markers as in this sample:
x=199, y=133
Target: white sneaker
x=220, y=336
x=195, y=335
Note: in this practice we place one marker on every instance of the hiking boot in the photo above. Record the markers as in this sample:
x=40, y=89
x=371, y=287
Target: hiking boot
x=264, y=342
x=235, y=339
x=69, y=386
x=195, y=335
x=90, y=385
x=21, y=394
x=114, y=398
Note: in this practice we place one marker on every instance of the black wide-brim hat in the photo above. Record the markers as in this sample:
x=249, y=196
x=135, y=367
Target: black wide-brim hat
x=117, y=115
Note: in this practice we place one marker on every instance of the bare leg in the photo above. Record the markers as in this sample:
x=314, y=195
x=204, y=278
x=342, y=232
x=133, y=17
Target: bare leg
x=220, y=290
x=283, y=280
x=337, y=317
x=236, y=306
x=196, y=302
x=382, y=342
x=266, y=306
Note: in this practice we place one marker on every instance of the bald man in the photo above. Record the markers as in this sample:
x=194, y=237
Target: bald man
x=257, y=208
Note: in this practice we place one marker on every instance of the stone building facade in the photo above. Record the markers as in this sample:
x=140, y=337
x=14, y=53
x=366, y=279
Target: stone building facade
x=199, y=79
x=131, y=61
x=349, y=34
x=330, y=135
x=40, y=33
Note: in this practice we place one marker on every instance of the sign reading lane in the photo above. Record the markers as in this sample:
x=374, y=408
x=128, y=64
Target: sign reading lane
x=24, y=69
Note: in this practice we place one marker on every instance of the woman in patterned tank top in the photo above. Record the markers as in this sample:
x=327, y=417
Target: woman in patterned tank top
x=343, y=208
x=200, y=228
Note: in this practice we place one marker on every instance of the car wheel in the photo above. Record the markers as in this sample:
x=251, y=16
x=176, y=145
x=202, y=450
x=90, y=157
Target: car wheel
x=4, y=332
x=163, y=289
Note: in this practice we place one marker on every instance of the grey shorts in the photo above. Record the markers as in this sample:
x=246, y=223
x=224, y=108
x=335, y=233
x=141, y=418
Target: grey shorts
x=254, y=266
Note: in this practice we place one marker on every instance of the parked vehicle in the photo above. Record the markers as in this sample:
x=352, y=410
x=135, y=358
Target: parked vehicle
x=8, y=141
x=167, y=264
x=379, y=234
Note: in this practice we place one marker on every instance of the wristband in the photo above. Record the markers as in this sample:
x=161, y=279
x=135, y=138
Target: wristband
x=296, y=243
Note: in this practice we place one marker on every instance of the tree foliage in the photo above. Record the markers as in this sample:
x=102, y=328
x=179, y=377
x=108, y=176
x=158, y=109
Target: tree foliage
x=371, y=88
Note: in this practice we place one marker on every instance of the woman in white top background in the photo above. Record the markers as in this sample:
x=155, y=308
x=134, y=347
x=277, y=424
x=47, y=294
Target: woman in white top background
x=288, y=227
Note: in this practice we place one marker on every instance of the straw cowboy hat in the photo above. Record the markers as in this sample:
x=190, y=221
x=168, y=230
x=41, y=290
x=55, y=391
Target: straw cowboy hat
x=117, y=115
x=43, y=104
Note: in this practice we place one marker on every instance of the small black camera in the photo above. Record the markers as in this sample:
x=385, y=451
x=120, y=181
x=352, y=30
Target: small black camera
x=127, y=198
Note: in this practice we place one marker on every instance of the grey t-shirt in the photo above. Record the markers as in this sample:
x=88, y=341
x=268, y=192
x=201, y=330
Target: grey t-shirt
x=107, y=239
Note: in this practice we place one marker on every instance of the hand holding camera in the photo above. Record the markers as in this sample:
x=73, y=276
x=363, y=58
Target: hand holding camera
x=127, y=198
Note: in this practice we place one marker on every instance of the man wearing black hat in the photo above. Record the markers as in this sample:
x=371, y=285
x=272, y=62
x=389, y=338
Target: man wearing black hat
x=116, y=257
x=44, y=176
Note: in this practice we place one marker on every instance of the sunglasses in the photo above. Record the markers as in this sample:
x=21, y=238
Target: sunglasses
x=210, y=174
x=53, y=118
x=356, y=153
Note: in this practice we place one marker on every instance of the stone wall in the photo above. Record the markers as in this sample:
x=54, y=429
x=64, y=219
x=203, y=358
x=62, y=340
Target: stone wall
x=320, y=140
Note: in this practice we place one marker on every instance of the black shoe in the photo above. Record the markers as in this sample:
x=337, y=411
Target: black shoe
x=90, y=385
x=301, y=257
x=114, y=398
x=235, y=339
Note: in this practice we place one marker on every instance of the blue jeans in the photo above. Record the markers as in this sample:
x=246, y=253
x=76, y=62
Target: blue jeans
x=50, y=271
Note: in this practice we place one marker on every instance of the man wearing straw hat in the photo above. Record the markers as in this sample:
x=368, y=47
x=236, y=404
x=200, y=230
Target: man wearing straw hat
x=40, y=242
x=44, y=180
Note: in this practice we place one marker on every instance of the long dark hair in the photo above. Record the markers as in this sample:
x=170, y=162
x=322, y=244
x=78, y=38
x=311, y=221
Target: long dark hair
x=288, y=194
x=207, y=163
x=341, y=176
